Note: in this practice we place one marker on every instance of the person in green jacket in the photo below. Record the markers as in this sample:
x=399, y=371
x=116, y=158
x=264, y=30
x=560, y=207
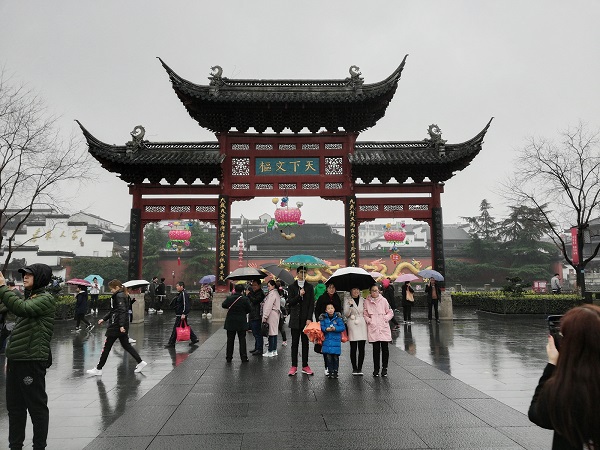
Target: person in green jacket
x=28, y=354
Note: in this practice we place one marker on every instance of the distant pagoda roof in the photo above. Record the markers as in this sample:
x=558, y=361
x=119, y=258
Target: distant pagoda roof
x=431, y=158
x=224, y=104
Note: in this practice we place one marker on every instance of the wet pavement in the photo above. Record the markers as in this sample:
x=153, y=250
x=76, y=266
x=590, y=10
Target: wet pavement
x=465, y=383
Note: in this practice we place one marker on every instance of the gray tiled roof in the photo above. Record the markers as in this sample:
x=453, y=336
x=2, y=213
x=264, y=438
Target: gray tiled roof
x=202, y=160
x=227, y=103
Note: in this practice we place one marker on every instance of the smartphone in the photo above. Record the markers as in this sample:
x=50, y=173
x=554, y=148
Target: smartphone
x=554, y=329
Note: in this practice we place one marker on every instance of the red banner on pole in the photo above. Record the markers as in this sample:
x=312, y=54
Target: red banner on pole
x=574, y=246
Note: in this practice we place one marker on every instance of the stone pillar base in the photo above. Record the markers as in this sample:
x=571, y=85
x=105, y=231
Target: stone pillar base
x=138, y=308
x=218, y=313
x=446, y=306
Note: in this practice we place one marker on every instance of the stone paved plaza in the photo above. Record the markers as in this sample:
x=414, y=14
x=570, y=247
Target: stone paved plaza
x=464, y=383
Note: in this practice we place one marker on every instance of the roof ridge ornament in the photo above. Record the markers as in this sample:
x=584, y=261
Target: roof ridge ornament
x=435, y=139
x=355, y=81
x=216, y=79
x=137, y=139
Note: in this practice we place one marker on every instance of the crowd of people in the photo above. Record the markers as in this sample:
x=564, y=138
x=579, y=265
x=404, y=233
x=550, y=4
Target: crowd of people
x=359, y=319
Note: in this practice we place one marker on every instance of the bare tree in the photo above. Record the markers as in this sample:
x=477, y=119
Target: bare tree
x=561, y=180
x=34, y=161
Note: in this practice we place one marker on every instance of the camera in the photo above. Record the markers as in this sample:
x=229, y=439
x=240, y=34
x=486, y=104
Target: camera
x=554, y=329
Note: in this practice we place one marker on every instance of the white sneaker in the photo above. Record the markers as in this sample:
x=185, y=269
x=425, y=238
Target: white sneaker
x=209, y=316
x=94, y=371
x=269, y=354
x=151, y=310
x=326, y=372
x=140, y=367
x=204, y=315
x=160, y=311
x=275, y=353
x=132, y=341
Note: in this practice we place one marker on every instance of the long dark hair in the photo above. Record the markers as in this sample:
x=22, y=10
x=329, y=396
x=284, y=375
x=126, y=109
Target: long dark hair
x=573, y=392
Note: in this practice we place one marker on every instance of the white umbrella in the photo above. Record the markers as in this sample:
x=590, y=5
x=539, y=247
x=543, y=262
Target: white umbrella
x=246, y=273
x=132, y=283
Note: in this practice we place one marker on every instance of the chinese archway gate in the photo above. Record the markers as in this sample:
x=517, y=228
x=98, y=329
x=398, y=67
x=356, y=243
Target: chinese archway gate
x=330, y=164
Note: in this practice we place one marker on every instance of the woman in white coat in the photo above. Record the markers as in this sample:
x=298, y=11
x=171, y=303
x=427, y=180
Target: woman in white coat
x=270, y=314
x=357, y=329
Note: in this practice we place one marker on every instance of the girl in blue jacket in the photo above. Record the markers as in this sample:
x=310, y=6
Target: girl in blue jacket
x=332, y=326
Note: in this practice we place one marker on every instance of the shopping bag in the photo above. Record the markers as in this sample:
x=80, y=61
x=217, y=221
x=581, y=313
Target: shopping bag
x=344, y=336
x=183, y=331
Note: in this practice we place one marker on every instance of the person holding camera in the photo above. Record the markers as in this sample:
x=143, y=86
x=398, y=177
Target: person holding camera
x=28, y=354
x=568, y=394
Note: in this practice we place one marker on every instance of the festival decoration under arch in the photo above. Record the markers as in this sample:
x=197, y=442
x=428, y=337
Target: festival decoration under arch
x=286, y=217
x=179, y=237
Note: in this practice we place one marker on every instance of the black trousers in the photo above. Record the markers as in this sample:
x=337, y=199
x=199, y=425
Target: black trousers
x=407, y=310
x=81, y=318
x=94, y=301
x=108, y=343
x=298, y=335
x=360, y=346
x=173, y=338
x=26, y=391
x=434, y=304
x=241, y=334
x=380, y=346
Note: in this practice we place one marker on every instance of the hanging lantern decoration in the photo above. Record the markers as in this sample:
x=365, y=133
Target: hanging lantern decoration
x=286, y=217
x=179, y=236
x=395, y=236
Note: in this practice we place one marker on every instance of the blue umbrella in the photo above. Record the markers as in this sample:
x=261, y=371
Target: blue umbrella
x=90, y=278
x=430, y=273
x=308, y=261
x=208, y=279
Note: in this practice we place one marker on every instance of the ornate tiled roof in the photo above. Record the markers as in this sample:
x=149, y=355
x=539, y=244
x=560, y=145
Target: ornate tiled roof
x=430, y=158
x=139, y=159
x=346, y=104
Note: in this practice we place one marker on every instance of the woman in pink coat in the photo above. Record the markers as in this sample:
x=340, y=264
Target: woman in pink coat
x=271, y=309
x=377, y=314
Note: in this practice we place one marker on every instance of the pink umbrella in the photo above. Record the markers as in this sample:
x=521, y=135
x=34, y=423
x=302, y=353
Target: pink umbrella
x=376, y=275
x=79, y=282
x=406, y=277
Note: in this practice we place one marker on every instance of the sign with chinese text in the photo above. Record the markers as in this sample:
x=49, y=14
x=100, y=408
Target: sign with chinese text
x=574, y=246
x=287, y=166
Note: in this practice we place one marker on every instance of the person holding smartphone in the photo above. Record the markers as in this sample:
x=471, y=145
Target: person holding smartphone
x=568, y=394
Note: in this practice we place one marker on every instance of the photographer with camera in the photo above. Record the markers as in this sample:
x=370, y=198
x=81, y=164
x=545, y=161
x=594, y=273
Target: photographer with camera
x=568, y=394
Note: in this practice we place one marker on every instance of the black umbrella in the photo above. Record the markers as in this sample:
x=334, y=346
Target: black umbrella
x=351, y=277
x=280, y=273
x=246, y=273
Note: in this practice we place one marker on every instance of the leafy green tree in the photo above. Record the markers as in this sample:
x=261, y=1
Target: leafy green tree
x=155, y=239
x=109, y=268
x=483, y=226
x=202, y=259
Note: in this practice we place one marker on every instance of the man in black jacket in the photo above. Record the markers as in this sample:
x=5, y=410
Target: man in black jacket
x=301, y=297
x=256, y=296
x=182, y=309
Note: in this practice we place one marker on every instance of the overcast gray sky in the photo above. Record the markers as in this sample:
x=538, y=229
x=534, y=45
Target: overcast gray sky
x=533, y=65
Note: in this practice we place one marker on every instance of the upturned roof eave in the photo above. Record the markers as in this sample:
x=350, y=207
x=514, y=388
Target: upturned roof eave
x=331, y=88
